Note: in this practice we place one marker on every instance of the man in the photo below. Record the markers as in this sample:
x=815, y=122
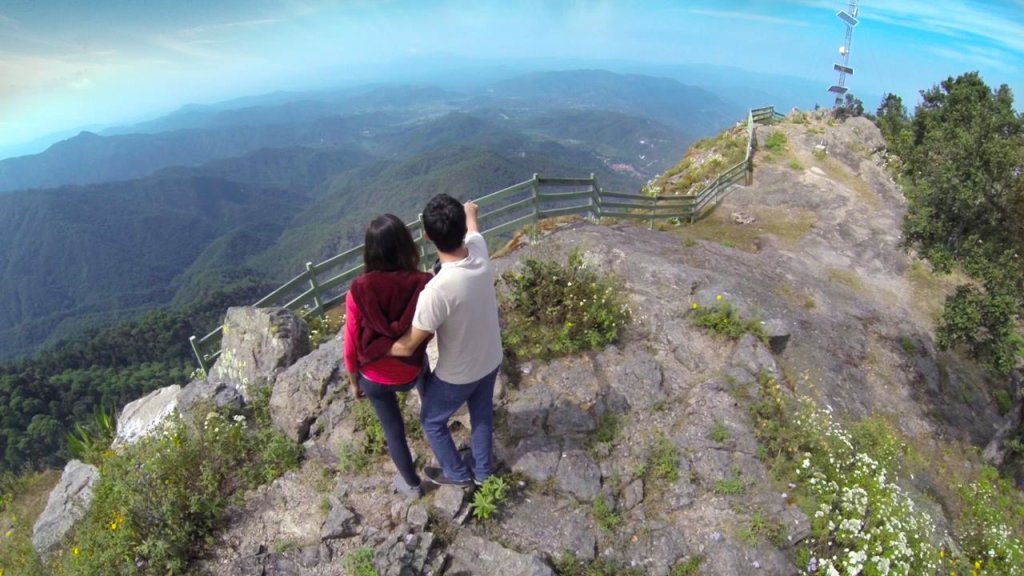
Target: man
x=460, y=306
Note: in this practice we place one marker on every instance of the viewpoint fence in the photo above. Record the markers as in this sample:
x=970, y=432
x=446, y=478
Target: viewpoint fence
x=323, y=286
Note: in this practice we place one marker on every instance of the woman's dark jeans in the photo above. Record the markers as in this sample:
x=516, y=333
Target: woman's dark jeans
x=385, y=403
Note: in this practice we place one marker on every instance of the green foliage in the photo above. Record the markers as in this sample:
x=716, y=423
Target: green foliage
x=797, y=165
x=688, y=567
x=359, y=562
x=730, y=486
x=719, y=432
x=1003, y=401
x=663, y=459
x=776, y=142
x=604, y=512
x=893, y=122
x=553, y=310
x=723, y=318
x=568, y=565
x=489, y=497
x=607, y=428
x=159, y=501
x=367, y=421
x=761, y=526
x=89, y=442
x=321, y=328
x=992, y=525
x=862, y=521
x=961, y=168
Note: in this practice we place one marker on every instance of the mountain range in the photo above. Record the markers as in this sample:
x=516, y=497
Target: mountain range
x=102, y=226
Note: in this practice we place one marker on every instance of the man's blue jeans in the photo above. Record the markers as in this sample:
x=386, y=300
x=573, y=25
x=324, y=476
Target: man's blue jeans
x=440, y=401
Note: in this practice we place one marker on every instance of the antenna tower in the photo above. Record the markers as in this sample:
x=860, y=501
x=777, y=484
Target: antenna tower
x=849, y=17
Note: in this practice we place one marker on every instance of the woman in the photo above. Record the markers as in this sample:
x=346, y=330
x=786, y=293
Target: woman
x=378, y=310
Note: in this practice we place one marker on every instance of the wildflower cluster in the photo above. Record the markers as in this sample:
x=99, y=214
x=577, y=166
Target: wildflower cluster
x=551, y=310
x=864, y=522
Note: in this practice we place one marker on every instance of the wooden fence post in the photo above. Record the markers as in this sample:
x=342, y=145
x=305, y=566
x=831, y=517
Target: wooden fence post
x=595, y=200
x=536, y=202
x=318, y=308
x=199, y=355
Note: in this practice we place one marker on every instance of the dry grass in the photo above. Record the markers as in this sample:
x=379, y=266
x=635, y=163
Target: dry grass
x=847, y=278
x=840, y=173
x=930, y=289
x=789, y=225
x=16, y=553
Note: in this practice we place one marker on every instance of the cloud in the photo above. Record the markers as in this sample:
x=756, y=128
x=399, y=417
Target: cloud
x=195, y=49
x=749, y=16
x=227, y=26
x=974, y=55
x=998, y=23
x=80, y=82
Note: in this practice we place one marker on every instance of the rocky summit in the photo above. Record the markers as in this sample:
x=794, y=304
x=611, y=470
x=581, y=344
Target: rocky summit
x=644, y=455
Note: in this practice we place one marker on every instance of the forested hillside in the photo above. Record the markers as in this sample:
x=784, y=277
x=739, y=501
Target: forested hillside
x=41, y=398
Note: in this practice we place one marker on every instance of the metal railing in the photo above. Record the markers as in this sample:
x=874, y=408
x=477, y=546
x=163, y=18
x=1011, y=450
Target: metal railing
x=324, y=285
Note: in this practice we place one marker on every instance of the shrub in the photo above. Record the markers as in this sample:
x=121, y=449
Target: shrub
x=551, y=310
x=157, y=503
x=89, y=443
x=723, y=318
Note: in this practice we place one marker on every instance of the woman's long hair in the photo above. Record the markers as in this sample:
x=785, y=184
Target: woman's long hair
x=388, y=246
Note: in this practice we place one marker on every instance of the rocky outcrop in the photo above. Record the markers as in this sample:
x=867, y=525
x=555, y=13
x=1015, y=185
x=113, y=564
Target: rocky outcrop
x=257, y=345
x=143, y=416
x=67, y=503
x=473, y=555
x=303, y=390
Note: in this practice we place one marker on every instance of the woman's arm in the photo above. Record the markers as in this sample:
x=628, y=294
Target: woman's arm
x=352, y=345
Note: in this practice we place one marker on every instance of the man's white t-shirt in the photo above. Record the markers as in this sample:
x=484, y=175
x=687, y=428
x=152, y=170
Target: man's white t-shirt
x=460, y=306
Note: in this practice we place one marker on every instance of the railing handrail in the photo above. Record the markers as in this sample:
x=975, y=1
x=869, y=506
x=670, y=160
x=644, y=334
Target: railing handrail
x=619, y=206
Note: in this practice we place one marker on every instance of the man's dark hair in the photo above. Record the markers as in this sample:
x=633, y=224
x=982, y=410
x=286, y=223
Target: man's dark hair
x=444, y=221
x=389, y=246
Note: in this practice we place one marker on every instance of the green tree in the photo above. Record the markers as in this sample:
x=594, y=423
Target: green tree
x=894, y=123
x=963, y=176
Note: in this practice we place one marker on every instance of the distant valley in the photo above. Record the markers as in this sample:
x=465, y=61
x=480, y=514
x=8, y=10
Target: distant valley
x=101, y=227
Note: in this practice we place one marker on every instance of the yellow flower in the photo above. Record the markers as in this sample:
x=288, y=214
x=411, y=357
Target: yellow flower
x=8, y=533
x=942, y=553
x=977, y=565
x=113, y=525
x=719, y=297
x=695, y=306
x=74, y=551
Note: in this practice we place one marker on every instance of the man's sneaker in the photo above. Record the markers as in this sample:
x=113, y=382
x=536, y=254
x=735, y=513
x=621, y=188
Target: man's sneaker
x=407, y=491
x=436, y=475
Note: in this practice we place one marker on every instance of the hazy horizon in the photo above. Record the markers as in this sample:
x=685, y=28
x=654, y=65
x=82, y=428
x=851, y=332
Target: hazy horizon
x=70, y=65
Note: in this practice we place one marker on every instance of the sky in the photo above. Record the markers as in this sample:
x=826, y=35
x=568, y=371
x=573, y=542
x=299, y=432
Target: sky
x=72, y=64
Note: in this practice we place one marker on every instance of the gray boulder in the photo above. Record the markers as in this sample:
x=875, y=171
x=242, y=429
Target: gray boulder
x=472, y=555
x=143, y=416
x=207, y=393
x=578, y=475
x=258, y=344
x=68, y=502
x=302, y=391
x=550, y=525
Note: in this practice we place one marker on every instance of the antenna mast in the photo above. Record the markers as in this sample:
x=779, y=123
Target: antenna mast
x=849, y=17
